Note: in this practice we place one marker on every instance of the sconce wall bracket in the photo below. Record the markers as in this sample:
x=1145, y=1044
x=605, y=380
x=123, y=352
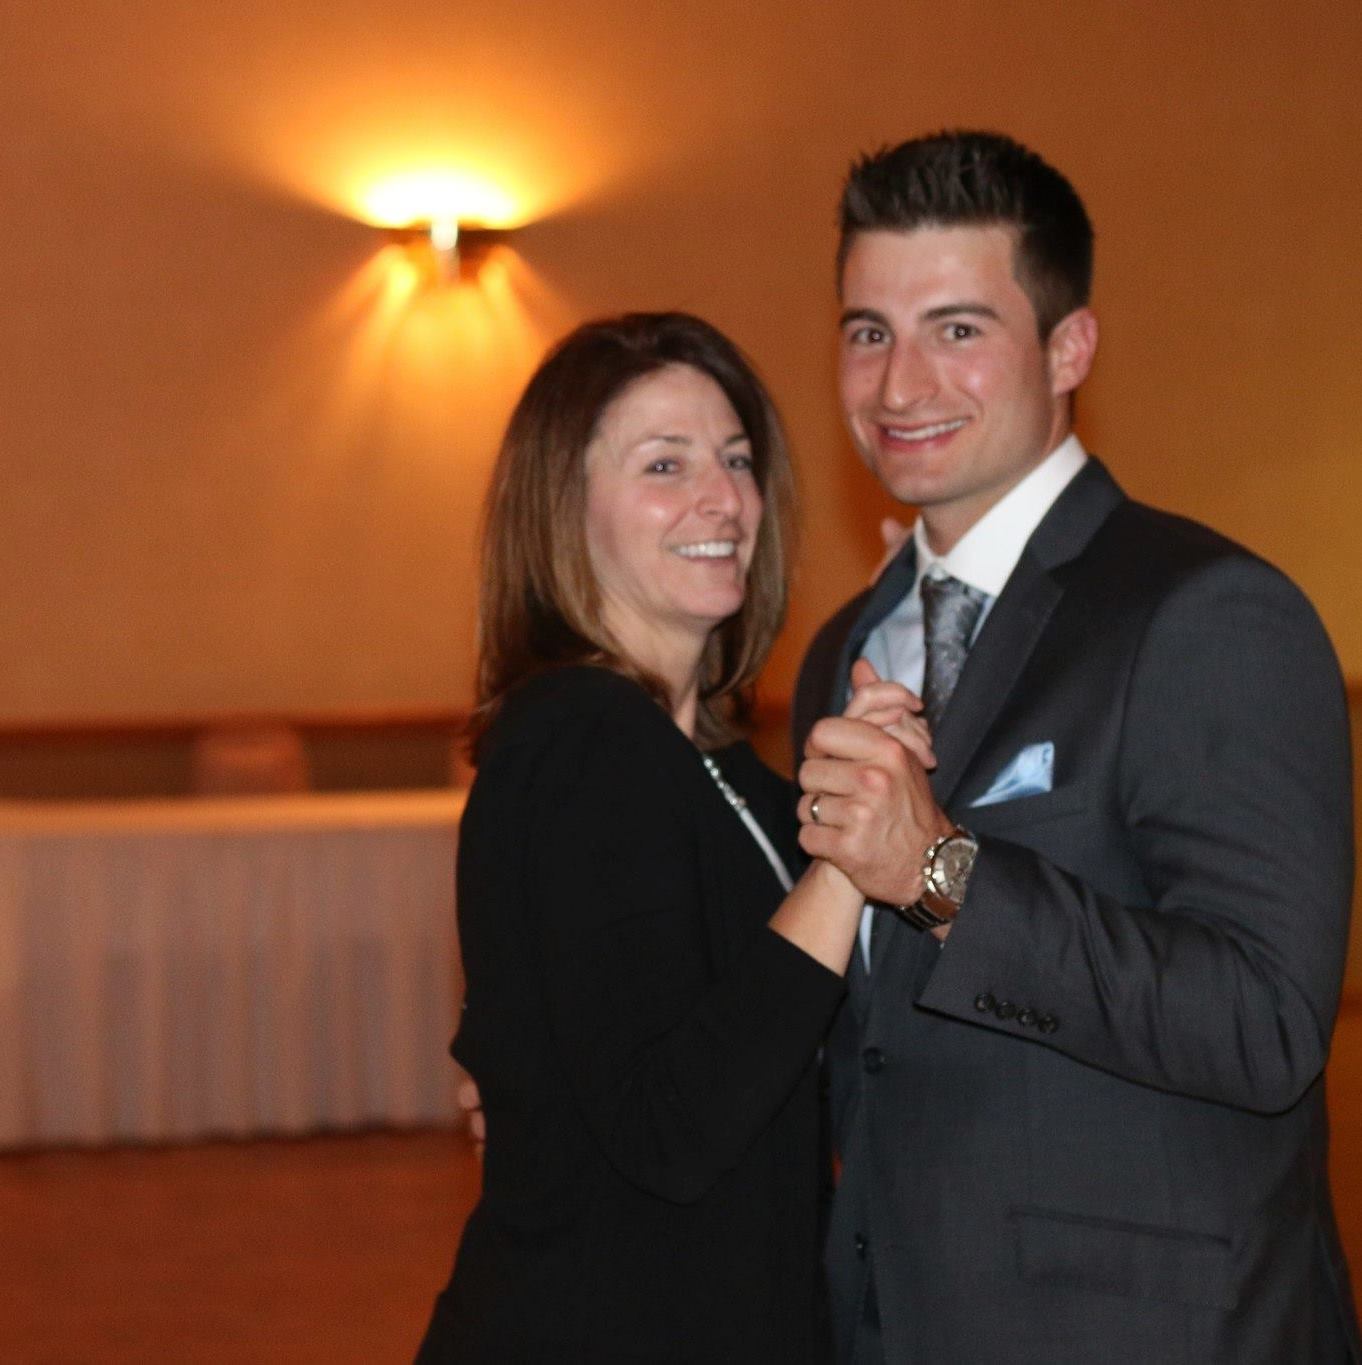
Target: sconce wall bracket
x=458, y=249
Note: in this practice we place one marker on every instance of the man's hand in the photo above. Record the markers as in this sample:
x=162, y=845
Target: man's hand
x=876, y=811
x=893, y=708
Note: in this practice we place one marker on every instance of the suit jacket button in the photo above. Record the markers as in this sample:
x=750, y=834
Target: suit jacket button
x=873, y=1060
x=983, y=1002
x=1026, y=1016
x=1005, y=1009
x=862, y=1244
x=1048, y=1023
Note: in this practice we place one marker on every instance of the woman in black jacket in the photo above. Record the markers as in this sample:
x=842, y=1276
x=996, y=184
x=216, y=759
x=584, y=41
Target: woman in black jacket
x=646, y=994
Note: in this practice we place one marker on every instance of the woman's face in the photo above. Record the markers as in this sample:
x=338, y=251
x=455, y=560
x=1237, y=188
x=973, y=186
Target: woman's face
x=672, y=510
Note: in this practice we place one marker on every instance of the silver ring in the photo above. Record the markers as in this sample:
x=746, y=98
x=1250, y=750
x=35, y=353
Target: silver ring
x=813, y=808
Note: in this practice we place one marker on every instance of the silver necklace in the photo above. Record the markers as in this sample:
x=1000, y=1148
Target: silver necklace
x=738, y=803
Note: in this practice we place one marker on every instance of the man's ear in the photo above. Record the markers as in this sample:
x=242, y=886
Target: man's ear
x=1070, y=350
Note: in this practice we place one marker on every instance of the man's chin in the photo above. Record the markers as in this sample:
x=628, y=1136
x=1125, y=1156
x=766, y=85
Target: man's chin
x=911, y=491
x=914, y=487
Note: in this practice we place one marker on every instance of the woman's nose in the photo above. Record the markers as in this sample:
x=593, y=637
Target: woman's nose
x=719, y=492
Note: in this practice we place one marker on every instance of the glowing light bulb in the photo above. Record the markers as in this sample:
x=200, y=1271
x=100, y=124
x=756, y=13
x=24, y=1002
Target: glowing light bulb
x=444, y=234
x=444, y=242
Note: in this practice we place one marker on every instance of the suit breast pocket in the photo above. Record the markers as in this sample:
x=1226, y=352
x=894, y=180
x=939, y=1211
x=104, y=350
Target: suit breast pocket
x=1138, y=1261
x=1072, y=798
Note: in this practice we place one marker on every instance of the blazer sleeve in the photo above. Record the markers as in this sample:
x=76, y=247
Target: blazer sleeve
x=1235, y=790
x=677, y=1060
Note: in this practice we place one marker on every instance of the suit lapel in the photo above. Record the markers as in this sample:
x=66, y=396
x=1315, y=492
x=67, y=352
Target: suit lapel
x=1015, y=624
x=994, y=664
x=892, y=586
x=858, y=980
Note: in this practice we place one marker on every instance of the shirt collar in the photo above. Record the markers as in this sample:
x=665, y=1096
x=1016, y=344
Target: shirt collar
x=986, y=554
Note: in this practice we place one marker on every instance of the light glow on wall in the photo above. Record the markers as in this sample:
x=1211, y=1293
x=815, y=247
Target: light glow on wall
x=434, y=195
x=442, y=204
x=443, y=365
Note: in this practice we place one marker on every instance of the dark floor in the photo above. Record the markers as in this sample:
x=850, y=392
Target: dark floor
x=325, y=1250
x=329, y=1249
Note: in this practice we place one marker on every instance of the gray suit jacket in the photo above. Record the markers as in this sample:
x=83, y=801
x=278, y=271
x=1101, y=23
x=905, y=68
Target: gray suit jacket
x=1092, y=1126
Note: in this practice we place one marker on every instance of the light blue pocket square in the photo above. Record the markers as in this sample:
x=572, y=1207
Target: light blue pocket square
x=1029, y=774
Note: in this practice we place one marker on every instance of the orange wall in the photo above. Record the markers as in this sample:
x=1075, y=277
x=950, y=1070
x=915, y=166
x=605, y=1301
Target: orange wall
x=242, y=470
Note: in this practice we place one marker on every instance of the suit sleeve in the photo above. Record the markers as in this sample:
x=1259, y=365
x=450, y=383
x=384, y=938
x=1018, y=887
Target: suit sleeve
x=1235, y=791
x=676, y=1064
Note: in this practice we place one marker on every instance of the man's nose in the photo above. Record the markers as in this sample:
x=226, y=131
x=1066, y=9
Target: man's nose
x=909, y=377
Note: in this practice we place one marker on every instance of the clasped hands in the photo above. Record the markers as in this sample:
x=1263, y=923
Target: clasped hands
x=867, y=770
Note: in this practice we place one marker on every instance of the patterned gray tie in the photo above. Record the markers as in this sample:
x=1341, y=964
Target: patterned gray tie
x=950, y=612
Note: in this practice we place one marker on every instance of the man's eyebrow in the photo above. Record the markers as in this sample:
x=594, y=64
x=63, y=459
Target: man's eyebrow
x=862, y=315
x=937, y=314
x=951, y=310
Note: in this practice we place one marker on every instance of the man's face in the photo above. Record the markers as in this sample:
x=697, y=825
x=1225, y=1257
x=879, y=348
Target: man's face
x=949, y=392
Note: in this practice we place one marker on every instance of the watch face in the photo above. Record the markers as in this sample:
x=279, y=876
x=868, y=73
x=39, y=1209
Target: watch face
x=951, y=868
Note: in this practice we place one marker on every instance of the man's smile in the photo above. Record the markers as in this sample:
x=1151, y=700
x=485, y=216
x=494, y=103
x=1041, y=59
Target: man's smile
x=923, y=433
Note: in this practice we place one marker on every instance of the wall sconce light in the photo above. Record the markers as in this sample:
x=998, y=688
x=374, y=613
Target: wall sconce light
x=455, y=249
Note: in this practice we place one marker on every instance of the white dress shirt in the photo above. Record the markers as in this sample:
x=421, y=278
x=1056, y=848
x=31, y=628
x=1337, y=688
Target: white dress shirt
x=984, y=558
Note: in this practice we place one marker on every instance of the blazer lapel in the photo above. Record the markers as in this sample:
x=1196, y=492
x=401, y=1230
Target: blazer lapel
x=995, y=661
x=858, y=980
x=892, y=586
x=1013, y=627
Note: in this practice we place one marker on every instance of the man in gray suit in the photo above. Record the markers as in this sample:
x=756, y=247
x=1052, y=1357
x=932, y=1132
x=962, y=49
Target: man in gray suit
x=1077, y=1085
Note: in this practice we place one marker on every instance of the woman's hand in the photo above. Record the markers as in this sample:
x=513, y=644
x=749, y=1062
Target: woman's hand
x=893, y=708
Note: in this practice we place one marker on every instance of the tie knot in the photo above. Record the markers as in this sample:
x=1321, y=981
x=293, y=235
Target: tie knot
x=946, y=599
x=950, y=612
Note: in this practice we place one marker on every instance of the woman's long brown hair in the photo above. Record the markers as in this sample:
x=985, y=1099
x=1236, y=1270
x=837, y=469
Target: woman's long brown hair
x=539, y=603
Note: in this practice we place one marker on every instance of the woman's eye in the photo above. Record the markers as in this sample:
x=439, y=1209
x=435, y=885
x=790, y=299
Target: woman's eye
x=662, y=465
x=742, y=461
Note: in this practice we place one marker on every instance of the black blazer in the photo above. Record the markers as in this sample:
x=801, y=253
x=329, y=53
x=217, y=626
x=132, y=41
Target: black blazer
x=645, y=1048
x=1096, y=1126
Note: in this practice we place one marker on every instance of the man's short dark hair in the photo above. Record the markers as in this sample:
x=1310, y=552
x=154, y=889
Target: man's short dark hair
x=970, y=179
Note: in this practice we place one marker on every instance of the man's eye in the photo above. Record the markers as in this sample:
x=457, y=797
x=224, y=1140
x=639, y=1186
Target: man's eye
x=867, y=336
x=961, y=331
